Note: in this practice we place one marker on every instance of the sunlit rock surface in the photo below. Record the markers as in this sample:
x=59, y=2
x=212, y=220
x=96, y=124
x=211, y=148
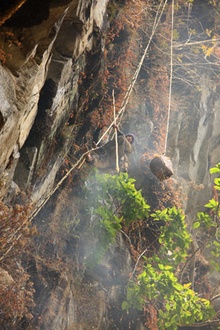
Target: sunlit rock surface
x=194, y=143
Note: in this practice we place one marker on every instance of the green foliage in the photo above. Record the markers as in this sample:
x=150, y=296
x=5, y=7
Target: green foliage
x=113, y=199
x=179, y=305
x=203, y=219
x=158, y=282
x=174, y=237
x=213, y=216
x=120, y=196
x=216, y=170
x=209, y=221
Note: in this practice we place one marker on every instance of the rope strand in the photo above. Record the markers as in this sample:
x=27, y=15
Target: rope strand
x=171, y=77
x=116, y=135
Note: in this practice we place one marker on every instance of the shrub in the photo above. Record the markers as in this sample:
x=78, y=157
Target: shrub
x=114, y=202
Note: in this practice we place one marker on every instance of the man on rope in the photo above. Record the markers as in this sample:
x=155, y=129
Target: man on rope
x=105, y=157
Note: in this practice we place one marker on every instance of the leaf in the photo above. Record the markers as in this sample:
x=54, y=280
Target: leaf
x=168, y=307
x=125, y=305
x=196, y=225
x=212, y=204
x=214, y=170
x=178, y=286
x=187, y=285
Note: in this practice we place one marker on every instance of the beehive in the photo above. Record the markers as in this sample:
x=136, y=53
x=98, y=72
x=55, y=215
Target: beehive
x=161, y=167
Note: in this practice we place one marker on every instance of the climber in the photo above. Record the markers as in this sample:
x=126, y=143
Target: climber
x=105, y=157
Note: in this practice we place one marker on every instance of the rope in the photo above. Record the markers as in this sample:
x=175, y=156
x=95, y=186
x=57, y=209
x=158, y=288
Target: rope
x=116, y=135
x=77, y=165
x=171, y=76
x=81, y=160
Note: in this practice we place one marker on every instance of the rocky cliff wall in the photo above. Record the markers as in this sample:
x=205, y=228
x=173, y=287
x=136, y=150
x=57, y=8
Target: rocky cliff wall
x=194, y=143
x=44, y=56
x=50, y=60
x=42, y=66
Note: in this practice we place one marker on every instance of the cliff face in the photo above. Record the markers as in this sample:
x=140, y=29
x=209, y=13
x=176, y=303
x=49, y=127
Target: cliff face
x=44, y=59
x=45, y=48
x=195, y=142
x=53, y=63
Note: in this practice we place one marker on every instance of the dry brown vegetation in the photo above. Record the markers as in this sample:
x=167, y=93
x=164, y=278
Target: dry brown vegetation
x=118, y=64
x=16, y=296
x=14, y=229
x=16, y=289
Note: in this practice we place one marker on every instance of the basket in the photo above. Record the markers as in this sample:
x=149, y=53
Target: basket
x=161, y=167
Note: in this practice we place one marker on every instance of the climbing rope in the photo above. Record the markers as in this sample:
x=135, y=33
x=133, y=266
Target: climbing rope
x=75, y=166
x=116, y=135
x=171, y=77
x=81, y=160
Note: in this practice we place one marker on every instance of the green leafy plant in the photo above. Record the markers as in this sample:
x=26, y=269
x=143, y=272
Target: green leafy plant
x=174, y=236
x=177, y=304
x=210, y=221
x=113, y=200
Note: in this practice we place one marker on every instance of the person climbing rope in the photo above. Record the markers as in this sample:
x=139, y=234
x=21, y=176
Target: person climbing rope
x=105, y=157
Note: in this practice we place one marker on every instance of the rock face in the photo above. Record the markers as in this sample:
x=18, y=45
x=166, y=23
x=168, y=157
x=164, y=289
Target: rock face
x=195, y=144
x=44, y=58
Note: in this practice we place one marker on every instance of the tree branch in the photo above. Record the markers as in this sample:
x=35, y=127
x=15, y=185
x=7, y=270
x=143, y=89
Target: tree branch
x=11, y=12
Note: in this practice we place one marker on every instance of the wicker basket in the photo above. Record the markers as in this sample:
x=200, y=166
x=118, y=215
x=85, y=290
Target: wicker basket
x=161, y=167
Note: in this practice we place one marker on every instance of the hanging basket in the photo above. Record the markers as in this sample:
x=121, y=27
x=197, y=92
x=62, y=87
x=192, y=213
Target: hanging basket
x=161, y=167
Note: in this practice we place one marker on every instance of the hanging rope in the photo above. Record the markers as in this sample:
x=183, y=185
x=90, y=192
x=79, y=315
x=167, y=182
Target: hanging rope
x=171, y=77
x=116, y=135
x=81, y=160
